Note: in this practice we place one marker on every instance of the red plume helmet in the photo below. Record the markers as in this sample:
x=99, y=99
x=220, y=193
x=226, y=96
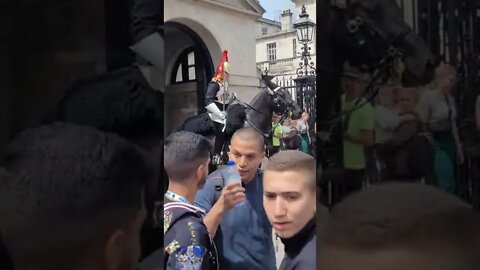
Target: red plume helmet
x=223, y=66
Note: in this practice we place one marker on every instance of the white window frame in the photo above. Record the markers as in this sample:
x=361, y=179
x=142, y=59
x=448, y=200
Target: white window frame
x=271, y=51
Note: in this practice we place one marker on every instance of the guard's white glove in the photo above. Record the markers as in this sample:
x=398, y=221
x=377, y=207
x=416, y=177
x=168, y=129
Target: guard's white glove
x=214, y=110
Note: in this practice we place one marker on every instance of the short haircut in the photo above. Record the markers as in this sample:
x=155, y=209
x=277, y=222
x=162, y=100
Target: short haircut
x=183, y=152
x=250, y=133
x=66, y=188
x=402, y=215
x=294, y=160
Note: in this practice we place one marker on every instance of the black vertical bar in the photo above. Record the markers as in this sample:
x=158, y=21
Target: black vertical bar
x=415, y=15
x=200, y=76
x=117, y=34
x=452, y=35
x=434, y=18
x=421, y=21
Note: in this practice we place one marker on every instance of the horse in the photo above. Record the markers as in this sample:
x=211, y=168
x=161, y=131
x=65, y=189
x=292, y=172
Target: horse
x=258, y=114
x=362, y=34
x=369, y=35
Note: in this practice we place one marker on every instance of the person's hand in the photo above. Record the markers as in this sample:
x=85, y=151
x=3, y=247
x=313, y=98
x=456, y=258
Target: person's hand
x=232, y=194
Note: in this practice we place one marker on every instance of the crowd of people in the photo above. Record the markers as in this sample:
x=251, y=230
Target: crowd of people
x=82, y=193
x=234, y=220
x=78, y=195
x=404, y=134
x=292, y=134
x=85, y=190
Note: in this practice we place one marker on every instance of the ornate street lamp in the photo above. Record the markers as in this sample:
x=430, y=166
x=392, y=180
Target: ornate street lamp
x=306, y=79
x=305, y=34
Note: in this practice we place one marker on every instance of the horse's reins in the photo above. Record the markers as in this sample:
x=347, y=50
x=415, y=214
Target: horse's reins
x=391, y=52
x=282, y=119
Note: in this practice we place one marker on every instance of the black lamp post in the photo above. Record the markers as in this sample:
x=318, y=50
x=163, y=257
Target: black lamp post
x=305, y=35
x=306, y=79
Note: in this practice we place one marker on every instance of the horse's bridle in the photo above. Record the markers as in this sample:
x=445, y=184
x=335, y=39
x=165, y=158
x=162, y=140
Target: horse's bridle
x=383, y=67
x=285, y=109
x=391, y=54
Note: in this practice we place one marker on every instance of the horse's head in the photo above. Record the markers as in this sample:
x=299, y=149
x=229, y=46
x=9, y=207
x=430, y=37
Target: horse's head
x=372, y=27
x=283, y=102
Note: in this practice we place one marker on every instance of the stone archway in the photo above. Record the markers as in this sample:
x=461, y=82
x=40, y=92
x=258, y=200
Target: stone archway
x=189, y=50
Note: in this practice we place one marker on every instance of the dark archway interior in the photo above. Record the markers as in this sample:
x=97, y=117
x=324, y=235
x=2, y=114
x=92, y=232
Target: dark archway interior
x=204, y=68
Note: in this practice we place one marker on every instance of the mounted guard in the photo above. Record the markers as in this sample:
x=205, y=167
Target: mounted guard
x=218, y=102
x=226, y=113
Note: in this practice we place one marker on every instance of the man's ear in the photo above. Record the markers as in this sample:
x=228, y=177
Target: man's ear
x=199, y=171
x=115, y=250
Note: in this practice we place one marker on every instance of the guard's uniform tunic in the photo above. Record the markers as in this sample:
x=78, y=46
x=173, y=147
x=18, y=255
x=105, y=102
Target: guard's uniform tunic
x=217, y=94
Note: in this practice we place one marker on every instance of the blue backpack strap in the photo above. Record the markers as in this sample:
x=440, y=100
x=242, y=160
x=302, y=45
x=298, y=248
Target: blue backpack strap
x=218, y=180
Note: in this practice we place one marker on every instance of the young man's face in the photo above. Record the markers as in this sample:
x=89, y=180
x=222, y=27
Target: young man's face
x=293, y=124
x=289, y=200
x=391, y=259
x=247, y=155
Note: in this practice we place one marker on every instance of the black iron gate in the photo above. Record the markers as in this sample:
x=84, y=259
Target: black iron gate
x=451, y=28
x=303, y=90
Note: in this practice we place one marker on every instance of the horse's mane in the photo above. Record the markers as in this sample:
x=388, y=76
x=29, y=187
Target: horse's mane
x=258, y=97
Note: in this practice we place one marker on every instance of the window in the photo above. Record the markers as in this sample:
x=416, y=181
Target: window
x=264, y=30
x=185, y=67
x=294, y=48
x=271, y=51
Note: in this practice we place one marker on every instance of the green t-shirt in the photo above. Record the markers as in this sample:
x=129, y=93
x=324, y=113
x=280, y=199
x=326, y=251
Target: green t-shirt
x=362, y=118
x=278, y=130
